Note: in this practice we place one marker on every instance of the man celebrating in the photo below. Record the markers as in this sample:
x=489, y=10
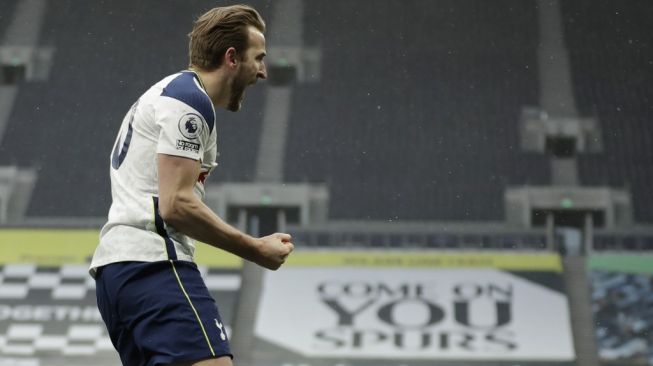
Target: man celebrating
x=156, y=306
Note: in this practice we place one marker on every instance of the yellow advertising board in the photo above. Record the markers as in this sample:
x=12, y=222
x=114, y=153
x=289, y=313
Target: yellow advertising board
x=55, y=247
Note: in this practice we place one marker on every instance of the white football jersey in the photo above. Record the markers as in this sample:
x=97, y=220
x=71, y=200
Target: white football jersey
x=174, y=117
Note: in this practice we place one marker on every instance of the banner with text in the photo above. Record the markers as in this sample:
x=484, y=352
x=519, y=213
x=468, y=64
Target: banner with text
x=422, y=313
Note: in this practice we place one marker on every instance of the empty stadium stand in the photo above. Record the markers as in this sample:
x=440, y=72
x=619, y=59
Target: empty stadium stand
x=417, y=119
x=400, y=126
x=610, y=50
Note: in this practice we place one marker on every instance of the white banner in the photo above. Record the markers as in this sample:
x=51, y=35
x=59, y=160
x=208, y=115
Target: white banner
x=470, y=314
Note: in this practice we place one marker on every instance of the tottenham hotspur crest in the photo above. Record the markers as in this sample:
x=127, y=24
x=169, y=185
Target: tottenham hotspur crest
x=190, y=125
x=223, y=335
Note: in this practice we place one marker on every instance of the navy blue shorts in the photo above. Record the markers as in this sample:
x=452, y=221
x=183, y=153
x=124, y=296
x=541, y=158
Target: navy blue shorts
x=159, y=313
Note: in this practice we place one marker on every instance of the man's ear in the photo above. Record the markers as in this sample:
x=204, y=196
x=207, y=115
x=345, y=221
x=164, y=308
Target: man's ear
x=230, y=57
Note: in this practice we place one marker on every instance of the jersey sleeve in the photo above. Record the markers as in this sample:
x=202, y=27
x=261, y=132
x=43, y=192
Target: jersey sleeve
x=182, y=130
x=185, y=117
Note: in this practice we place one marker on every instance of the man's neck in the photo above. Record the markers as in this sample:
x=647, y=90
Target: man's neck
x=215, y=84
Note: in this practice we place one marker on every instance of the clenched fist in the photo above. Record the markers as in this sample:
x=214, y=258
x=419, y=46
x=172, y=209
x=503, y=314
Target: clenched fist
x=273, y=250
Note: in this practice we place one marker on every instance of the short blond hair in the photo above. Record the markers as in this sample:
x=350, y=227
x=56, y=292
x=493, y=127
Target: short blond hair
x=217, y=30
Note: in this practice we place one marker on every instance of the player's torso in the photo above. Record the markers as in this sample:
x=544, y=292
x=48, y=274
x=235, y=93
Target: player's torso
x=173, y=117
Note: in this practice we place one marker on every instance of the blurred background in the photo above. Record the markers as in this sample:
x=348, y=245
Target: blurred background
x=467, y=182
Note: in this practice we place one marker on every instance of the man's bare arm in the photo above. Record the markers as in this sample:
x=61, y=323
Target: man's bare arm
x=183, y=210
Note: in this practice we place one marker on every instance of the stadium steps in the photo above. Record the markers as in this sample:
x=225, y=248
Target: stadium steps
x=582, y=322
x=16, y=185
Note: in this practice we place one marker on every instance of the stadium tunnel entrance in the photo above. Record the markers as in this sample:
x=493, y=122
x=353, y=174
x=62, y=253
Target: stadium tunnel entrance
x=263, y=220
x=570, y=230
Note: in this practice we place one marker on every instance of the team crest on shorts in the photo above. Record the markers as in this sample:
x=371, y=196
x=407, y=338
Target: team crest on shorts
x=190, y=125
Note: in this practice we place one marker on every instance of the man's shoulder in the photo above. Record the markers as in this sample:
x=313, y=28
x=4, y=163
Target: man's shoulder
x=185, y=87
